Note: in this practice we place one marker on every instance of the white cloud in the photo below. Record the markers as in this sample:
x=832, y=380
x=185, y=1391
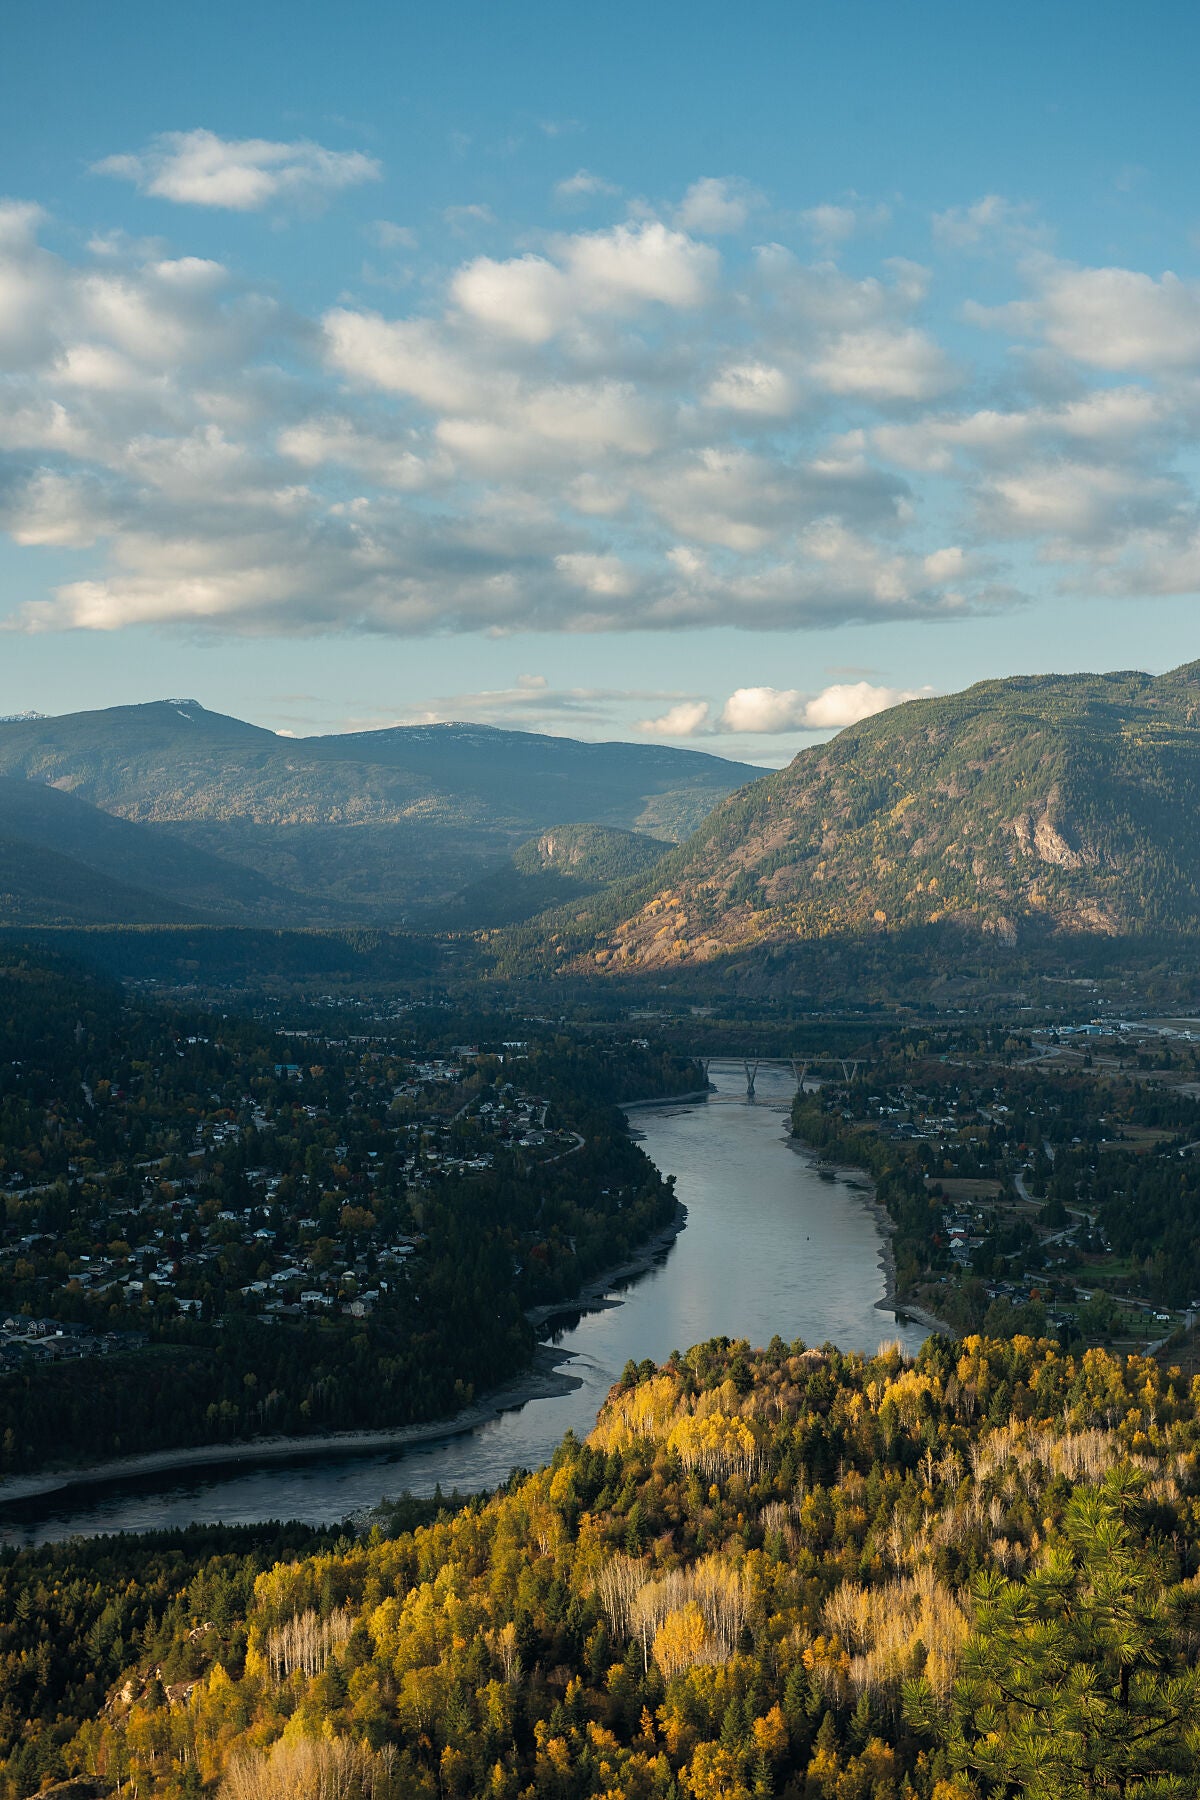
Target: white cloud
x=1109, y=418
x=527, y=297
x=332, y=438
x=535, y=428
x=753, y=387
x=55, y=510
x=770, y=709
x=766, y=711
x=754, y=709
x=388, y=236
x=883, y=364
x=845, y=703
x=1078, y=500
x=19, y=223
x=403, y=356
x=716, y=205
x=687, y=718
x=832, y=225
x=28, y=277
x=632, y=264
x=1147, y=562
x=530, y=704
x=532, y=298
x=821, y=298
x=198, y=168
x=989, y=221
x=462, y=219
x=723, y=496
x=582, y=185
x=1122, y=319
x=604, y=576
x=1113, y=319
x=603, y=430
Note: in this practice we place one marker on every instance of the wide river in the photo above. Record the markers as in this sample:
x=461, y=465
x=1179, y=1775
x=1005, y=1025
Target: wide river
x=773, y=1243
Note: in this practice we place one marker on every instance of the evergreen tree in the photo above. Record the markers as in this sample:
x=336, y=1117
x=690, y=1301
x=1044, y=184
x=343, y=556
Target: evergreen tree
x=1076, y=1682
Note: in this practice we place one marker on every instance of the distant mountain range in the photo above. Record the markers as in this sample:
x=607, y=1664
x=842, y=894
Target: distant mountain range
x=1017, y=810
x=192, y=815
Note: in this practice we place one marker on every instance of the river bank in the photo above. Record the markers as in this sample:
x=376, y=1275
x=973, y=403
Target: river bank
x=543, y=1381
x=773, y=1245
x=546, y=1379
x=593, y=1296
x=666, y=1100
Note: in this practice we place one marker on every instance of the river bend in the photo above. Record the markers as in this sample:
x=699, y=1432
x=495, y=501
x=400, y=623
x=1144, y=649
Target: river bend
x=774, y=1243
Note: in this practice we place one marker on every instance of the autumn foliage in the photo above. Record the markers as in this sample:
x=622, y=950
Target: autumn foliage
x=779, y=1572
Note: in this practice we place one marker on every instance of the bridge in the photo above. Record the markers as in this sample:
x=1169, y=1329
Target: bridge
x=801, y=1067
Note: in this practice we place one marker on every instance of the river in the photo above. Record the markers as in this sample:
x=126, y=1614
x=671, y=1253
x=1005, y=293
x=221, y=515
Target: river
x=773, y=1244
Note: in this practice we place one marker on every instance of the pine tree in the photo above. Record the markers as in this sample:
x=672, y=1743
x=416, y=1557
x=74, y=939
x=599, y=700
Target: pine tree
x=1076, y=1682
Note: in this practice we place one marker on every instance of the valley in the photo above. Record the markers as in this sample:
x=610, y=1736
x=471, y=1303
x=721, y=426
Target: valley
x=313, y=1156
x=599, y=902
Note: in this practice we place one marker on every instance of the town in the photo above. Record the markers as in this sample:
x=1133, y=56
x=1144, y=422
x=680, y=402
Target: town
x=1056, y=1170
x=222, y=1205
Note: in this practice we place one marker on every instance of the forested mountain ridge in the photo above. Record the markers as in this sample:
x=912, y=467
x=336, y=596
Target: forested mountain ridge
x=360, y=824
x=63, y=860
x=1016, y=808
x=780, y=1572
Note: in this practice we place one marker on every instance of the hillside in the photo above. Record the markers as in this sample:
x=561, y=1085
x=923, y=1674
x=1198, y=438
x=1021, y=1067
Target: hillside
x=779, y=1572
x=362, y=825
x=39, y=886
x=1017, y=809
x=566, y=863
x=175, y=880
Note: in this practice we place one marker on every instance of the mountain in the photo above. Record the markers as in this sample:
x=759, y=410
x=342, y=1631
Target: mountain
x=1017, y=809
x=566, y=863
x=42, y=887
x=361, y=825
x=162, y=876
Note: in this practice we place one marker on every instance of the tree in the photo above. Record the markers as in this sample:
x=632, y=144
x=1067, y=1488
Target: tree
x=1076, y=1683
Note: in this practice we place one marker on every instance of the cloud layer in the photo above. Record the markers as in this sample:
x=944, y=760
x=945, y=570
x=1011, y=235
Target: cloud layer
x=198, y=168
x=674, y=420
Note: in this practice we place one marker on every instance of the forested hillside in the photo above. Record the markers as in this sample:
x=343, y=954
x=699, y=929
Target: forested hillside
x=781, y=1572
x=565, y=863
x=63, y=860
x=42, y=887
x=1017, y=809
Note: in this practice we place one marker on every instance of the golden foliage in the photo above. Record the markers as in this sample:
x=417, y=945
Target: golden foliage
x=903, y=1628
x=320, y=1769
x=682, y=1640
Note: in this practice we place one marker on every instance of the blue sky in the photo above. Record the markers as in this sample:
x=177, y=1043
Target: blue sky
x=713, y=377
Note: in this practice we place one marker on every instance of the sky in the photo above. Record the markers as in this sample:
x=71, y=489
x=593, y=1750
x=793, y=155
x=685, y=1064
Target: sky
x=705, y=375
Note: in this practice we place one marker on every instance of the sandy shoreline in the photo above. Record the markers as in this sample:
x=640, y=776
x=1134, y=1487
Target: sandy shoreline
x=865, y=1187
x=542, y=1381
